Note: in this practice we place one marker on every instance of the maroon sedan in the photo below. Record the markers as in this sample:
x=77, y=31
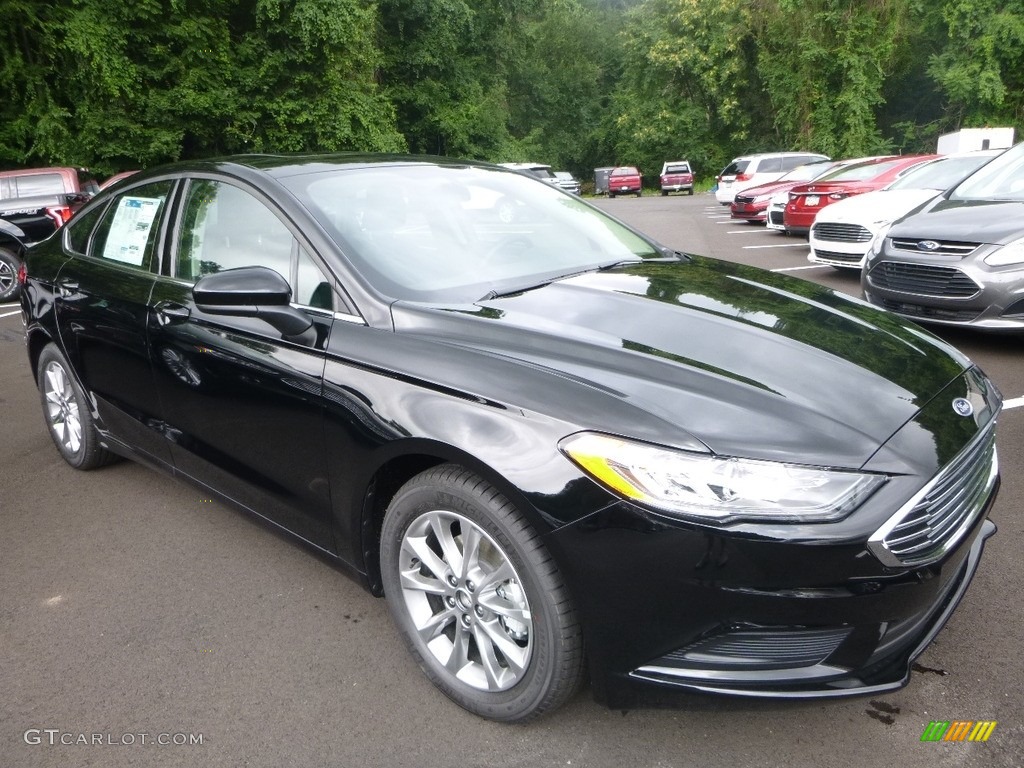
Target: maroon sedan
x=805, y=200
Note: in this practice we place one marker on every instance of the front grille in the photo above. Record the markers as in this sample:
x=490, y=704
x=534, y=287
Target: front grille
x=758, y=649
x=841, y=233
x=945, y=247
x=939, y=516
x=776, y=217
x=744, y=199
x=847, y=258
x=930, y=313
x=923, y=280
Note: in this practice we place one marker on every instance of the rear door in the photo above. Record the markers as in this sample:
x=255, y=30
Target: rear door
x=101, y=305
x=243, y=405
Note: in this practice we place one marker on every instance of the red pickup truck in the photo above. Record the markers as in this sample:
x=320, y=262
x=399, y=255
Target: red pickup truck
x=625, y=180
x=676, y=176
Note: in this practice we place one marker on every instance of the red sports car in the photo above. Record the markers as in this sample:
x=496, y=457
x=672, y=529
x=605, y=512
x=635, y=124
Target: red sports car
x=805, y=200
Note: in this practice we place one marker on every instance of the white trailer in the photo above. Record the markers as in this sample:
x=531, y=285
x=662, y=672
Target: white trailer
x=973, y=139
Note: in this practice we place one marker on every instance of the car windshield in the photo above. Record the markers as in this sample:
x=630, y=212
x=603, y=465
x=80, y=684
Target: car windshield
x=809, y=171
x=455, y=233
x=1001, y=179
x=942, y=173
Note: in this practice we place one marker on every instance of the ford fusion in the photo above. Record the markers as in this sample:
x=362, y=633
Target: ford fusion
x=555, y=447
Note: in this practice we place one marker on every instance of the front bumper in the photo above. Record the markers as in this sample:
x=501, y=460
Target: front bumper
x=786, y=610
x=749, y=211
x=947, y=290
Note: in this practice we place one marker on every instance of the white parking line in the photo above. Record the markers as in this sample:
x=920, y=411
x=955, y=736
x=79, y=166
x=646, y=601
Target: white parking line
x=1017, y=402
x=11, y=314
x=784, y=245
x=747, y=231
x=797, y=269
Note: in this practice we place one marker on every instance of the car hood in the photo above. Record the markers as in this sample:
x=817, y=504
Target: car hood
x=974, y=221
x=743, y=361
x=871, y=207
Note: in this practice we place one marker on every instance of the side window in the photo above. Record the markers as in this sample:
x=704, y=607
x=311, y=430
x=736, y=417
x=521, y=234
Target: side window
x=770, y=165
x=225, y=227
x=128, y=230
x=312, y=288
x=80, y=227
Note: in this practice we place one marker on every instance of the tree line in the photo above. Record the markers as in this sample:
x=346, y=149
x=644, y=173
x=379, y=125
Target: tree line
x=579, y=84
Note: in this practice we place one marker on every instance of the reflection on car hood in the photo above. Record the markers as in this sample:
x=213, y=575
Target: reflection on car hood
x=971, y=221
x=882, y=205
x=747, y=362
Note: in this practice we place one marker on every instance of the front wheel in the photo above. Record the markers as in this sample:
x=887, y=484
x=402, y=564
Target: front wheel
x=477, y=598
x=9, y=264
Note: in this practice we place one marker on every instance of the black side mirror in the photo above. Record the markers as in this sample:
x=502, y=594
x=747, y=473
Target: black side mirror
x=254, y=292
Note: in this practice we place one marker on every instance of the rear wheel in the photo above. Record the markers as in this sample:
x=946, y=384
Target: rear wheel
x=67, y=413
x=477, y=598
x=9, y=264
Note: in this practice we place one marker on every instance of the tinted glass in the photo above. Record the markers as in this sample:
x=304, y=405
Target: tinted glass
x=684, y=168
x=312, y=288
x=735, y=167
x=128, y=230
x=809, y=171
x=769, y=165
x=225, y=227
x=428, y=233
x=80, y=227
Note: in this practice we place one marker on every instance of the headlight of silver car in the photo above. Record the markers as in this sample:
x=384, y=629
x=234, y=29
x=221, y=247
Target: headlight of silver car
x=719, y=489
x=1007, y=255
x=878, y=241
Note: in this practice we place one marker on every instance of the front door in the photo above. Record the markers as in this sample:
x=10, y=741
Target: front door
x=244, y=406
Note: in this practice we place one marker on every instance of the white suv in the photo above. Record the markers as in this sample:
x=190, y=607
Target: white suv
x=751, y=170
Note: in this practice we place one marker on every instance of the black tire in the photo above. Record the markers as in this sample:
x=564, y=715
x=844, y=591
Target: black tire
x=67, y=414
x=690, y=191
x=506, y=606
x=639, y=193
x=9, y=265
x=611, y=195
x=664, y=193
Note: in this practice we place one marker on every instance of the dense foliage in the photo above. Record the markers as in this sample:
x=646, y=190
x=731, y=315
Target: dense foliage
x=574, y=83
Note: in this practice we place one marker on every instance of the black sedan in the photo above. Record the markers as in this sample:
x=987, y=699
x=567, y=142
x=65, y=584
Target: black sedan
x=553, y=445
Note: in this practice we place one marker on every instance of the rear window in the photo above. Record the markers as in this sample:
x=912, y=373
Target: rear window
x=681, y=168
x=37, y=184
x=735, y=167
x=625, y=172
x=861, y=171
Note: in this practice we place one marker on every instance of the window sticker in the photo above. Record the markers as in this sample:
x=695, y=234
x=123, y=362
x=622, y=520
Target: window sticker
x=129, y=232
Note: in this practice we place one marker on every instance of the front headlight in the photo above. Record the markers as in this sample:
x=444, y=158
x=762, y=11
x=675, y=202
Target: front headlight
x=718, y=489
x=1011, y=253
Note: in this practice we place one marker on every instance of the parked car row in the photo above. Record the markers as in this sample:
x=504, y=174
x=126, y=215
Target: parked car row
x=936, y=238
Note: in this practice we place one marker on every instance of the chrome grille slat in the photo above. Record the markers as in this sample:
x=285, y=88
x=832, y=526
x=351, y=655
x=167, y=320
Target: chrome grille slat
x=841, y=233
x=944, y=510
x=923, y=280
x=946, y=247
x=851, y=258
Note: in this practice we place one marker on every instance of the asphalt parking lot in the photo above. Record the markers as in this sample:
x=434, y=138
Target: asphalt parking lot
x=175, y=631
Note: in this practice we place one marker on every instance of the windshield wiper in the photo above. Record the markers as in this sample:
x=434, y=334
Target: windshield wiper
x=492, y=294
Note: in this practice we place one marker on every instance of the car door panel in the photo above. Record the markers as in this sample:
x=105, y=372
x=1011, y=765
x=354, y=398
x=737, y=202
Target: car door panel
x=101, y=302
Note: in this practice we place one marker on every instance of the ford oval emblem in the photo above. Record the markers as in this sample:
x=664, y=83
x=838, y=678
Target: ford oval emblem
x=927, y=245
x=963, y=406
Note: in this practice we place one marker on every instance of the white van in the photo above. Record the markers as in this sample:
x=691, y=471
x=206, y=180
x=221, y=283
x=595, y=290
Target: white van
x=751, y=170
